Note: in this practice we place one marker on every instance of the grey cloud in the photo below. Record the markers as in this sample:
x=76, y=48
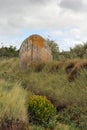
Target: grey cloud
x=75, y=5
x=14, y=14
x=8, y=7
x=19, y=3
x=37, y=1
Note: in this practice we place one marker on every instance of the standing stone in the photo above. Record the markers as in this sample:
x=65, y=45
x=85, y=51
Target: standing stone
x=34, y=48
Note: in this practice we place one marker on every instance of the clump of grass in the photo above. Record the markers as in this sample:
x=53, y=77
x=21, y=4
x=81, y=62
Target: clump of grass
x=37, y=66
x=12, y=103
x=52, y=67
x=74, y=114
x=8, y=63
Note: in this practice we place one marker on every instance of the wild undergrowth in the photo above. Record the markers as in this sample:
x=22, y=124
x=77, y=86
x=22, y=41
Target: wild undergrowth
x=12, y=102
x=63, y=83
x=50, y=80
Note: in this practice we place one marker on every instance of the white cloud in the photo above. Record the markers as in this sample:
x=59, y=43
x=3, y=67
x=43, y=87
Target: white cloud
x=64, y=20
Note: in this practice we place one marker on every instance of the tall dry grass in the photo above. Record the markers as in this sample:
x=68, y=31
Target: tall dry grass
x=12, y=102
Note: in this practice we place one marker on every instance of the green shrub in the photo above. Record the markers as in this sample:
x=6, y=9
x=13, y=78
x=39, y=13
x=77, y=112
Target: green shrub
x=9, y=52
x=41, y=111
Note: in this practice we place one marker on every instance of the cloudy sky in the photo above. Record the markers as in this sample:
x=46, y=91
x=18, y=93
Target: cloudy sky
x=64, y=21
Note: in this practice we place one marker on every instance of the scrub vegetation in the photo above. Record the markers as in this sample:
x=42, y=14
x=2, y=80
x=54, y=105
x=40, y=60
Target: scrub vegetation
x=60, y=87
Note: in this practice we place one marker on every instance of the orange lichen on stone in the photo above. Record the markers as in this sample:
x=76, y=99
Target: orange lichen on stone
x=36, y=39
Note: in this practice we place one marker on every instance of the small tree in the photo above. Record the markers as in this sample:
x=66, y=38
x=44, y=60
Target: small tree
x=54, y=48
x=78, y=50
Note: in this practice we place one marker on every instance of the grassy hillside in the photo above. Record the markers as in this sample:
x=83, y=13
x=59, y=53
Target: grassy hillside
x=63, y=83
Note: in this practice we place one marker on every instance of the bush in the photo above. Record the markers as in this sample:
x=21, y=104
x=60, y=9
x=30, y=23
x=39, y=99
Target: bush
x=41, y=111
x=9, y=52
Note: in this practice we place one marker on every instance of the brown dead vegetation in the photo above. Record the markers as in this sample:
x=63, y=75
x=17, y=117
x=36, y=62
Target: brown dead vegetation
x=73, y=69
x=12, y=126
